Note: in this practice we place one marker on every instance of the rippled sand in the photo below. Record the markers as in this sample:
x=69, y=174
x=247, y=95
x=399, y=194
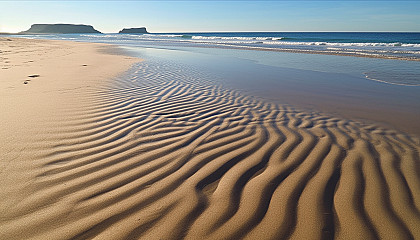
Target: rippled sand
x=159, y=153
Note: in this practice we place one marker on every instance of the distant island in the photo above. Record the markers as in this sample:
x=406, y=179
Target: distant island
x=59, y=28
x=71, y=28
x=134, y=30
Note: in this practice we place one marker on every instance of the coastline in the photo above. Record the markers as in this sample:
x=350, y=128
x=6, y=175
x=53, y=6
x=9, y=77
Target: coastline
x=94, y=148
x=396, y=46
x=340, y=93
x=332, y=53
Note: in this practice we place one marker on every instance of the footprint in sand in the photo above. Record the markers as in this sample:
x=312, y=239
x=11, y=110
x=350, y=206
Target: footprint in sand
x=31, y=76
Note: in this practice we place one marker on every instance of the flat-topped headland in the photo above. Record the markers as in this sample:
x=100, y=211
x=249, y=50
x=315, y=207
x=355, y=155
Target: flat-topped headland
x=59, y=28
x=134, y=30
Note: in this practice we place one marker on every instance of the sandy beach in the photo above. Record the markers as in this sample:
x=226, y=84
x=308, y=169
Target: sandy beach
x=98, y=145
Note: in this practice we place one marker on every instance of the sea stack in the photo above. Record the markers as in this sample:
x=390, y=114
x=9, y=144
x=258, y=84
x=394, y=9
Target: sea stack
x=134, y=30
x=59, y=28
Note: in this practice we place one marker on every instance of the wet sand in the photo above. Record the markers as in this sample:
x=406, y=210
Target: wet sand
x=344, y=93
x=340, y=95
x=163, y=152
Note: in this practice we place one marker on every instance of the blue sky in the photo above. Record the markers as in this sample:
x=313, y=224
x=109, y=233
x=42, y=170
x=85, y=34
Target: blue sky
x=195, y=16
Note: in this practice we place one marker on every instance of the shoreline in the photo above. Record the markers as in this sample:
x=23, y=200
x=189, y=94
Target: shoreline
x=303, y=51
x=94, y=148
x=350, y=53
x=333, y=93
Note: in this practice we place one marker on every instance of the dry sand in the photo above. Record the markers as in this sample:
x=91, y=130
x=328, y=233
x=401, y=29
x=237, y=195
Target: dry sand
x=154, y=154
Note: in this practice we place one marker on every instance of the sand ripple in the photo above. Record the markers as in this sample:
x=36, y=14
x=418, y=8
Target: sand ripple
x=169, y=154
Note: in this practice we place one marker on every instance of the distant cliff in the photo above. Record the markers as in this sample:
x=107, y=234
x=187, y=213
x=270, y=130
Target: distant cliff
x=134, y=30
x=59, y=28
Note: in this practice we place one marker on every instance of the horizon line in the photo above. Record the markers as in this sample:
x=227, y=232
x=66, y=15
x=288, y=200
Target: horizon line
x=326, y=31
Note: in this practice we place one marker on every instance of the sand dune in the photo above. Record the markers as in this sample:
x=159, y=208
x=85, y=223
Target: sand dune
x=160, y=154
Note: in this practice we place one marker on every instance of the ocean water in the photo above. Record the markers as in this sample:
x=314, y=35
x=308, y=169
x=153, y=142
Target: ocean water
x=392, y=58
x=368, y=44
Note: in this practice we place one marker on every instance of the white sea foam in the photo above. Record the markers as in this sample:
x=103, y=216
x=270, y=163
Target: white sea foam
x=161, y=35
x=236, y=38
x=245, y=40
x=344, y=44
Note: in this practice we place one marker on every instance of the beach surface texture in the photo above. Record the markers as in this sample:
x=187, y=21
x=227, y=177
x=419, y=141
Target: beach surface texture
x=99, y=145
